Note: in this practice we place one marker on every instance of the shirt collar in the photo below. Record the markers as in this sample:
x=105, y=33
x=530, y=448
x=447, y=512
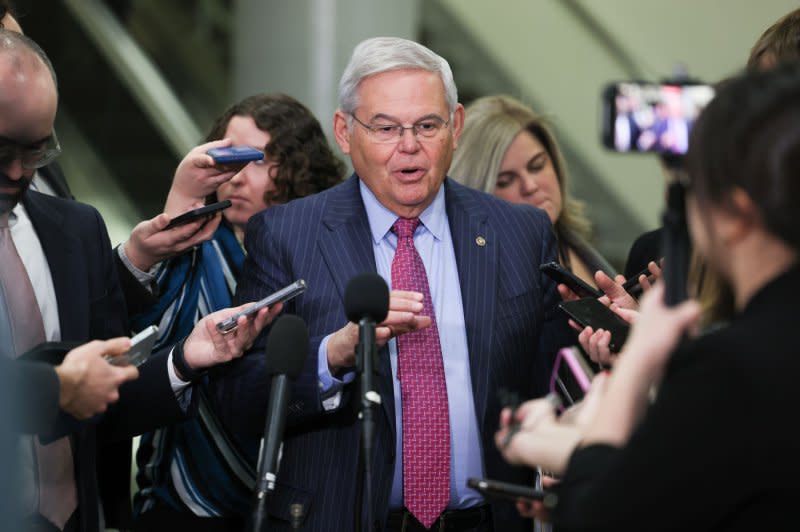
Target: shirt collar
x=381, y=219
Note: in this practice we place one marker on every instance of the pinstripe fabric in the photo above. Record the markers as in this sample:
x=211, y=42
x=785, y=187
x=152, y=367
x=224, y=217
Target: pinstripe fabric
x=509, y=311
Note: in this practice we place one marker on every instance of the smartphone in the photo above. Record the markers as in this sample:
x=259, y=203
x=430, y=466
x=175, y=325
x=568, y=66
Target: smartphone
x=589, y=312
x=141, y=347
x=200, y=212
x=560, y=274
x=572, y=375
x=281, y=296
x=494, y=489
x=632, y=285
x=235, y=154
x=643, y=117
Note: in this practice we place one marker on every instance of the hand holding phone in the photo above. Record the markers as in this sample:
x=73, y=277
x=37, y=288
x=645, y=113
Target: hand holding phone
x=281, y=296
x=562, y=275
x=141, y=347
x=589, y=312
x=200, y=212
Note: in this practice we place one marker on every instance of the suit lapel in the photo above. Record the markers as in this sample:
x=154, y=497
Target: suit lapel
x=60, y=250
x=475, y=245
x=346, y=246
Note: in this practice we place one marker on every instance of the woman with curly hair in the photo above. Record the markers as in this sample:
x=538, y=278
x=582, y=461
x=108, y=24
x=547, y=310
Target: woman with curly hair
x=196, y=473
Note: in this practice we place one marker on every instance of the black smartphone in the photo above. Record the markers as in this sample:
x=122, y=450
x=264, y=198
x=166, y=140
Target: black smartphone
x=633, y=286
x=494, y=489
x=572, y=375
x=560, y=274
x=281, y=296
x=235, y=154
x=589, y=312
x=200, y=212
x=141, y=347
x=642, y=117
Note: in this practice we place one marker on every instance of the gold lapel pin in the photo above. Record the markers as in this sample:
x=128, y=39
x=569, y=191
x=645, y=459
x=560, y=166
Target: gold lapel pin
x=480, y=241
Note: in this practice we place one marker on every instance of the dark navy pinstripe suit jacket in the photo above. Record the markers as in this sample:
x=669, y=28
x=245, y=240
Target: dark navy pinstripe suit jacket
x=513, y=332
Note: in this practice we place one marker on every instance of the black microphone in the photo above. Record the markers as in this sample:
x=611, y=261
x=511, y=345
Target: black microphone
x=286, y=353
x=366, y=302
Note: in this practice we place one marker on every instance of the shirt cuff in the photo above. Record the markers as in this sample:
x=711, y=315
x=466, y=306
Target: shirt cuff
x=146, y=279
x=181, y=388
x=330, y=387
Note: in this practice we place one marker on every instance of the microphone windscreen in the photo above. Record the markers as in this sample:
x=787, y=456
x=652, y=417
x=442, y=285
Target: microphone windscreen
x=366, y=296
x=287, y=346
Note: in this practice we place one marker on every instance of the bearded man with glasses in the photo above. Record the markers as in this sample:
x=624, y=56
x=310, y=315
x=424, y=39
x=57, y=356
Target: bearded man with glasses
x=469, y=313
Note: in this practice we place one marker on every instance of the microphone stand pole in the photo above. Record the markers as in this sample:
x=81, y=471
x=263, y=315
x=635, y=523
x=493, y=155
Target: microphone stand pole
x=676, y=244
x=365, y=359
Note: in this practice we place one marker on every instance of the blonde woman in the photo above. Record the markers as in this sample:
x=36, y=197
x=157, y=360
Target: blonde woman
x=508, y=150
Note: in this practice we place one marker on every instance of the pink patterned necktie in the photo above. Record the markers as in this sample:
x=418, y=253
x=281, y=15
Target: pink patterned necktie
x=426, y=421
x=57, y=495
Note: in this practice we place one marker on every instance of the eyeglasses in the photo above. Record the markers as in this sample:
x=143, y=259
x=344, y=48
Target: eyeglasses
x=427, y=128
x=31, y=156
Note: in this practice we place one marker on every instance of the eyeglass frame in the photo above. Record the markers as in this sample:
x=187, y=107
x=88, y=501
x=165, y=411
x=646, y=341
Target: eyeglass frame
x=372, y=129
x=50, y=151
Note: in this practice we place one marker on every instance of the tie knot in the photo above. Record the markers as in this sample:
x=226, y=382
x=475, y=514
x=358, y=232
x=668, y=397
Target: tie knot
x=4, y=220
x=405, y=227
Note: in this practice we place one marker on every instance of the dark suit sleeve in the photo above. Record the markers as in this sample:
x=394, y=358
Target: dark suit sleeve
x=33, y=388
x=145, y=404
x=137, y=297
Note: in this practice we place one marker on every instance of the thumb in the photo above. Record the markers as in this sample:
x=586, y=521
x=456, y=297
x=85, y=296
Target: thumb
x=159, y=223
x=116, y=346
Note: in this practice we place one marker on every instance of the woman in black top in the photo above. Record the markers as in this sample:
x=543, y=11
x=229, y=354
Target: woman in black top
x=713, y=450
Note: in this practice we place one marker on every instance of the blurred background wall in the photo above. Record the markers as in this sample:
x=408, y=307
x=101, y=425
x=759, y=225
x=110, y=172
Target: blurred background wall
x=141, y=80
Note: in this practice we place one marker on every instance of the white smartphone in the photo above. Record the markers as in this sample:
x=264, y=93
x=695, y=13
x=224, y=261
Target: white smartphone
x=141, y=348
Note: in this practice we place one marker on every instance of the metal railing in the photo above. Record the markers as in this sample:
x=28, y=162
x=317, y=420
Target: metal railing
x=138, y=74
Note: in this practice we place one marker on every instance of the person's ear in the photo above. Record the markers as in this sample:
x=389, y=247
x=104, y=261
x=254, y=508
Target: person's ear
x=458, y=124
x=341, y=131
x=740, y=219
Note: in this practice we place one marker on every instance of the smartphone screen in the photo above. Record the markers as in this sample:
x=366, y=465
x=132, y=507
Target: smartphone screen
x=651, y=117
x=589, y=312
x=572, y=375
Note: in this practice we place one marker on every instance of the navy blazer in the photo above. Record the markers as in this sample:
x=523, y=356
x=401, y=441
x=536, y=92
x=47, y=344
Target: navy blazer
x=509, y=312
x=91, y=306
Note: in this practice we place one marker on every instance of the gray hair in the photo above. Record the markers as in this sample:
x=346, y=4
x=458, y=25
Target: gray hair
x=12, y=42
x=383, y=54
